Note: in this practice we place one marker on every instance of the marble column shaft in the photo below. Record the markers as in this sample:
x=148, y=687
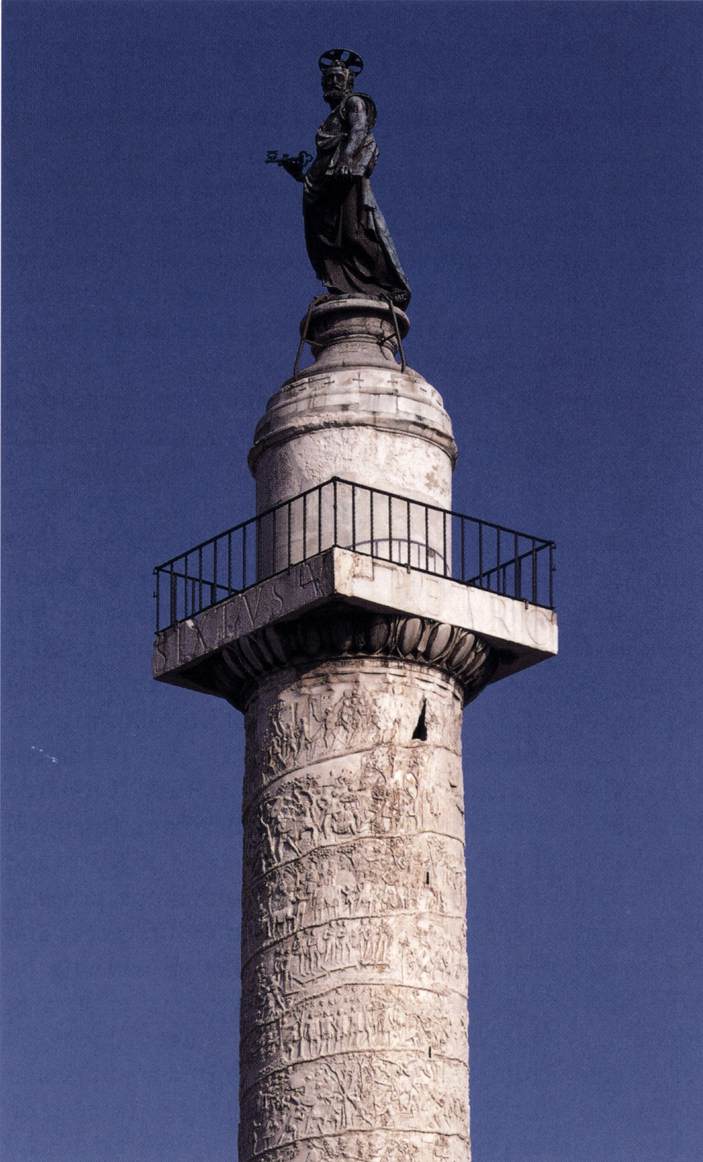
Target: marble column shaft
x=354, y=1002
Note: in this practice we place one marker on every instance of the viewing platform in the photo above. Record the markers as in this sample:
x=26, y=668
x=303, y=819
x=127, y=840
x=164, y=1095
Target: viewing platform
x=345, y=543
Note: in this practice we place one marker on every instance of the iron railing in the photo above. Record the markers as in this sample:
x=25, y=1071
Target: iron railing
x=368, y=520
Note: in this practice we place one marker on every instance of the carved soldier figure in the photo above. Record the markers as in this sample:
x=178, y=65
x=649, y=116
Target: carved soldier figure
x=347, y=239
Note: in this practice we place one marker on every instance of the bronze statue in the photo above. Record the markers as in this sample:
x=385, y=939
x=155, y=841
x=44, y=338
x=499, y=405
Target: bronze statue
x=348, y=242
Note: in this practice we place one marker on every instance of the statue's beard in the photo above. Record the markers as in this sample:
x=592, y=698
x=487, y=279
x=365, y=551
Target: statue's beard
x=333, y=96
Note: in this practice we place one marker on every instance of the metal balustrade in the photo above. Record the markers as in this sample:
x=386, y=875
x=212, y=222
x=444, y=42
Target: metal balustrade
x=368, y=520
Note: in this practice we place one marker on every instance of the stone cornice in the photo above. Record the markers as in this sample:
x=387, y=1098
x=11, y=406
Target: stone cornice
x=394, y=612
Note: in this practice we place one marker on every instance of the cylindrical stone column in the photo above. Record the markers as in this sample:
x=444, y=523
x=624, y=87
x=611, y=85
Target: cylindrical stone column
x=354, y=979
x=354, y=1001
x=352, y=667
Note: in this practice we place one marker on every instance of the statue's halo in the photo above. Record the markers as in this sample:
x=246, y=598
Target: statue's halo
x=341, y=56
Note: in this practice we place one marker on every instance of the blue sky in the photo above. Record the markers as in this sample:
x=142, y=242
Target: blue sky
x=541, y=174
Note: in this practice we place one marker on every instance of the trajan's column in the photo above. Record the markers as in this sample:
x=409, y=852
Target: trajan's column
x=351, y=621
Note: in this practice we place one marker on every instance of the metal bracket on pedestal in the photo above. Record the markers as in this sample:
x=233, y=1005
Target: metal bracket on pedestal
x=391, y=307
x=303, y=339
x=306, y=326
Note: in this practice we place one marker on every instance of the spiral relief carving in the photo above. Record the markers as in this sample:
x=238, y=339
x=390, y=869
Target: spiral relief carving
x=354, y=971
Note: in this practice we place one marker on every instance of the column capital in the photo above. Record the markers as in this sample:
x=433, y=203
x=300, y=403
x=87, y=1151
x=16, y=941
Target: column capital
x=345, y=631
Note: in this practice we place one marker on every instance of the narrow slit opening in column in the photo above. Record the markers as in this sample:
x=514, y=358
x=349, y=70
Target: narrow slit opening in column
x=420, y=730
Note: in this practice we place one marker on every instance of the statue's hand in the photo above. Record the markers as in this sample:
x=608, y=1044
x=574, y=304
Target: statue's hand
x=294, y=166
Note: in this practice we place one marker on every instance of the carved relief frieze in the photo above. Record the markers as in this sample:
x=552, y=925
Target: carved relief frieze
x=386, y=791
x=320, y=723
x=313, y=720
x=346, y=1018
x=420, y=952
x=354, y=972
x=355, y=880
x=355, y=1092
x=375, y=1146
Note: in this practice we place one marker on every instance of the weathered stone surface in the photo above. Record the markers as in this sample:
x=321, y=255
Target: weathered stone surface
x=356, y=415
x=354, y=1020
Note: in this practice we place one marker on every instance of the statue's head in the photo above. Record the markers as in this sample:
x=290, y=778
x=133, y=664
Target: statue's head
x=339, y=67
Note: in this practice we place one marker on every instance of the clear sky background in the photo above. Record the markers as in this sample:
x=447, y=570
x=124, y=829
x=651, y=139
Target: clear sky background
x=541, y=174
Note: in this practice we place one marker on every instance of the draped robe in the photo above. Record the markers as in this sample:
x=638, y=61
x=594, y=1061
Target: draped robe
x=347, y=239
